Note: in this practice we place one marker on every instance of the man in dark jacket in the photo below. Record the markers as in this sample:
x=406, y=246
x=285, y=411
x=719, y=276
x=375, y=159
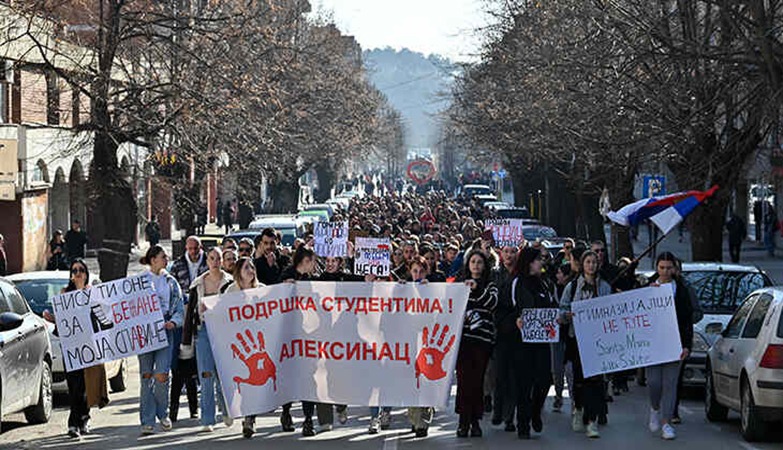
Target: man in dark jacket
x=737, y=233
x=75, y=241
x=269, y=262
x=190, y=265
x=505, y=318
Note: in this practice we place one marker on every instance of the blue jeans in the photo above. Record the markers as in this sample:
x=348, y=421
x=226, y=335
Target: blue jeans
x=375, y=411
x=154, y=395
x=210, y=385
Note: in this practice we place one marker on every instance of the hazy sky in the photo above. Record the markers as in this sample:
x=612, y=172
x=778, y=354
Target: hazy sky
x=445, y=27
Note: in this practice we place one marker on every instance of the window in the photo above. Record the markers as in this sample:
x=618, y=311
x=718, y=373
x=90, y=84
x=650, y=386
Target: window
x=756, y=318
x=16, y=302
x=3, y=304
x=721, y=292
x=740, y=317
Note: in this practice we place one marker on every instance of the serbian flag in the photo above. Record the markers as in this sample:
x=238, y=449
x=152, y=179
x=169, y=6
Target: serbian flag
x=665, y=212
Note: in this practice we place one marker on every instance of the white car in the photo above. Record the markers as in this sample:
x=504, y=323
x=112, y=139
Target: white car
x=38, y=288
x=745, y=366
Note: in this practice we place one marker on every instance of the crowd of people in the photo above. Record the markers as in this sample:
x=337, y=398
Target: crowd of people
x=435, y=238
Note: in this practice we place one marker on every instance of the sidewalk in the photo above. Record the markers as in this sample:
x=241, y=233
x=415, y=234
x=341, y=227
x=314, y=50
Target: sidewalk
x=752, y=253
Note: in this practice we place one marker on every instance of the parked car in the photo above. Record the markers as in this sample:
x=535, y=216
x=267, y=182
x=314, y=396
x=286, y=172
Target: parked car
x=286, y=224
x=483, y=199
x=719, y=289
x=472, y=190
x=25, y=358
x=538, y=232
x=38, y=288
x=320, y=207
x=513, y=212
x=313, y=216
x=745, y=366
x=497, y=205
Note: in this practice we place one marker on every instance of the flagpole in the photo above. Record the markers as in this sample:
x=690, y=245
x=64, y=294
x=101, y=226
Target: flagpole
x=635, y=262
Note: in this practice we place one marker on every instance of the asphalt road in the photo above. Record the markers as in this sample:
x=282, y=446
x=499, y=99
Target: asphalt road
x=117, y=427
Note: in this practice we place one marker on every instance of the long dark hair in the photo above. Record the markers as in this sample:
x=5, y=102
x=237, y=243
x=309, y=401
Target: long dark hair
x=466, y=275
x=301, y=253
x=71, y=286
x=152, y=252
x=526, y=258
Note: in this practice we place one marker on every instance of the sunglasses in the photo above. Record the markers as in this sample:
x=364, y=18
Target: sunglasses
x=245, y=249
x=78, y=270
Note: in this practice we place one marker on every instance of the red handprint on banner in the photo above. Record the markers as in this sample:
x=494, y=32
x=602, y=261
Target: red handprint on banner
x=551, y=331
x=257, y=360
x=429, y=361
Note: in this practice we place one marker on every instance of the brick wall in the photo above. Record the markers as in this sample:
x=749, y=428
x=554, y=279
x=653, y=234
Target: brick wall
x=33, y=97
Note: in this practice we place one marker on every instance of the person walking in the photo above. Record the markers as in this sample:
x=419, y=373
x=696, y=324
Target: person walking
x=154, y=366
x=505, y=321
x=478, y=337
x=770, y=227
x=561, y=373
x=152, y=231
x=420, y=416
x=662, y=379
x=589, y=393
x=56, y=260
x=210, y=283
x=86, y=387
x=532, y=362
x=244, y=278
x=737, y=233
x=75, y=241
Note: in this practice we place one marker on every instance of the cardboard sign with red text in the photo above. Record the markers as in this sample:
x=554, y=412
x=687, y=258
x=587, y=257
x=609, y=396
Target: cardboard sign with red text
x=109, y=321
x=355, y=343
x=506, y=232
x=632, y=329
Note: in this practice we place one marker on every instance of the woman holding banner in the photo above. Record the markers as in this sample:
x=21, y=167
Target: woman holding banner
x=420, y=417
x=154, y=366
x=244, y=278
x=86, y=387
x=195, y=331
x=662, y=378
x=589, y=399
x=532, y=361
x=478, y=337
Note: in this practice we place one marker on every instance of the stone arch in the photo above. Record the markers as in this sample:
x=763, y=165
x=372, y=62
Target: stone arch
x=77, y=192
x=40, y=172
x=59, y=202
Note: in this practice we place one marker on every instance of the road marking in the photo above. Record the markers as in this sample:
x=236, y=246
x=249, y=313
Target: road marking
x=390, y=443
x=747, y=446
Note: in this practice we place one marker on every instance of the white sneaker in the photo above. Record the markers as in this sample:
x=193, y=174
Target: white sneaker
x=577, y=423
x=227, y=421
x=375, y=425
x=207, y=429
x=592, y=431
x=165, y=423
x=655, y=421
x=147, y=430
x=342, y=416
x=667, y=432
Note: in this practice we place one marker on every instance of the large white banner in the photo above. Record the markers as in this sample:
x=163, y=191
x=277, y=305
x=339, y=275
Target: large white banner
x=624, y=331
x=365, y=344
x=331, y=239
x=109, y=321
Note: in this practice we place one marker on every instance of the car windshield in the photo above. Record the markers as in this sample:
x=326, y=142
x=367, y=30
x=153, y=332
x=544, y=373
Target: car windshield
x=721, y=292
x=531, y=234
x=38, y=292
x=478, y=190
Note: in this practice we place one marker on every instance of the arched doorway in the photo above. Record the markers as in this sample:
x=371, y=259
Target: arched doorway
x=77, y=193
x=59, y=202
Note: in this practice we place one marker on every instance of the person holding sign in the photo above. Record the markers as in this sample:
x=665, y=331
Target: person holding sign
x=589, y=400
x=83, y=384
x=154, y=366
x=478, y=337
x=662, y=378
x=532, y=362
x=420, y=417
x=195, y=332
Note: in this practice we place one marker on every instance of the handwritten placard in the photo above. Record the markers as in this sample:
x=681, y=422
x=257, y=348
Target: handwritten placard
x=628, y=330
x=539, y=325
x=373, y=257
x=331, y=239
x=506, y=232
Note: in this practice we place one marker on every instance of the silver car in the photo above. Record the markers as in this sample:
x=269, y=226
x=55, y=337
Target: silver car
x=745, y=366
x=38, y=288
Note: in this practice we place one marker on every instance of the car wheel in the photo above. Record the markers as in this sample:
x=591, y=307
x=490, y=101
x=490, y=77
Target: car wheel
x=118, y=382
x=714, y=411
x=752, y=427
x=42, y=412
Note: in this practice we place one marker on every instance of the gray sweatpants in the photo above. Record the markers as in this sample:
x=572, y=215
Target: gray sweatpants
x=662, y=383
x=421, y=417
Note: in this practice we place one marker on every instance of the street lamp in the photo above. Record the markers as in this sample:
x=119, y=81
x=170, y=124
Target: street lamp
x=540, y=217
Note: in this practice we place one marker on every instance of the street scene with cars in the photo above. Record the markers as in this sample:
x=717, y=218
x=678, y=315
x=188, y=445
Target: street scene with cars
x=356, y=224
